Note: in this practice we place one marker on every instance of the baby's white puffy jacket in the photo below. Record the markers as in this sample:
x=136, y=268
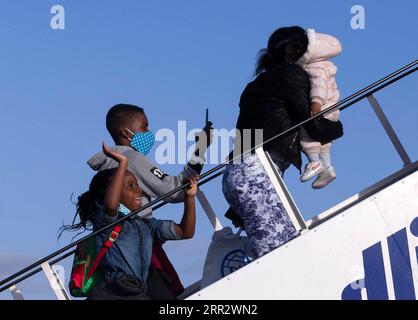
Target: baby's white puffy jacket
x=322, y=47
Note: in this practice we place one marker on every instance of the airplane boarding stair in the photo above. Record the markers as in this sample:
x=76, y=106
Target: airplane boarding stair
x=366, y=247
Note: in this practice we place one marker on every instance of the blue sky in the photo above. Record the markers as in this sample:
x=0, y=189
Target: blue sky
x=174, y=58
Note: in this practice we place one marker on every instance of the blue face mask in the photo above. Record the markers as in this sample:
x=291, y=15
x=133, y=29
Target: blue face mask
x=142, y=141
x=124, y=210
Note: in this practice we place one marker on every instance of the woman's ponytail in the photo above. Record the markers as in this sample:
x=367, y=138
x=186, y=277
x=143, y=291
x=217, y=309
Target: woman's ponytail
x=264, y=62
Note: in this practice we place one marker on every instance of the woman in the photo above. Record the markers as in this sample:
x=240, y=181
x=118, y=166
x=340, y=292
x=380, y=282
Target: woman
x=277, y=99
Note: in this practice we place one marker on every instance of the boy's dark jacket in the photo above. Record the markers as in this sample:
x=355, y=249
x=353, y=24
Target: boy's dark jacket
x=277, y=100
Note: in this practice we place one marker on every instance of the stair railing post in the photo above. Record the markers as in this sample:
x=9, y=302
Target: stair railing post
x=16, y=294
x=55, y=281
x=208, y=210
x=282, y=191
x=389, y=130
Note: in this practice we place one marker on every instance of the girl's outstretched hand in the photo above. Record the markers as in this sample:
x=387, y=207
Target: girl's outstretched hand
x=113, y=154
x=191, y=191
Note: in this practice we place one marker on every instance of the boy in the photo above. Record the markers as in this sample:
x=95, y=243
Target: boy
x=128, y=126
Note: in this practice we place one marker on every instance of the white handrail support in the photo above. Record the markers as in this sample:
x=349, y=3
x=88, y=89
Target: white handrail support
x=208, y=210
x=282, y=191
x=17, y=295
x=389, y=130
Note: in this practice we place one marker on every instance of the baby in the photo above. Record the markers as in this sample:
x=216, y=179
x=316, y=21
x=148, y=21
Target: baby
x=324, y=93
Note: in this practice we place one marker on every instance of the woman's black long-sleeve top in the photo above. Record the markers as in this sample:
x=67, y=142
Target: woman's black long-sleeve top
x=277, y=100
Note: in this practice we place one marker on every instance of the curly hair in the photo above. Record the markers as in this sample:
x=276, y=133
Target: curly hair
x=88, y=203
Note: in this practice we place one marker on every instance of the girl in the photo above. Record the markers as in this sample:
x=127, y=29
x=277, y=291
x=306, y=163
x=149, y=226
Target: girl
x=112, y=194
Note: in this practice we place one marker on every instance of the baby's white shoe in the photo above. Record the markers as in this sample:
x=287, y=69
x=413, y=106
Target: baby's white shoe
x=311, y=170
x=325, y=178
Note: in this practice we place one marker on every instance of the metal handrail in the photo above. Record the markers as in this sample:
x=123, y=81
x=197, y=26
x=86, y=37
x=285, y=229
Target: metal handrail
x=359, y=95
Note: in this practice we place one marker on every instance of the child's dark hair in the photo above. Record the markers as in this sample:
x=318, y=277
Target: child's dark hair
x=288, y=39
x=88, y=203
x=120, y=116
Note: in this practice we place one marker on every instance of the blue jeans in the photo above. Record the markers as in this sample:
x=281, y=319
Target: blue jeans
x=250, y=193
